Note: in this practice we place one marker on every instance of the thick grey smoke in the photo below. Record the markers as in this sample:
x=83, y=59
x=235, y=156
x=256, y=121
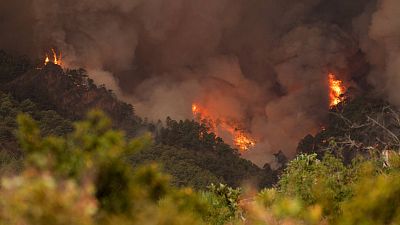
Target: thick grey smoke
x=263, y=63
x=379, y=30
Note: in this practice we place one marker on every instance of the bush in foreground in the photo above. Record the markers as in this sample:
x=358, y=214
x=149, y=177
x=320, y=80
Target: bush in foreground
x=85, y=179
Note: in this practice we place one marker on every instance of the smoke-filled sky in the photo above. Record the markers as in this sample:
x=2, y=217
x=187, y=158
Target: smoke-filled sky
x=261, y=62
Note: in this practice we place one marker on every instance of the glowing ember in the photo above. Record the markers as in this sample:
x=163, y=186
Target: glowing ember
x=56, y=59
x=241, y=139
x=336, y=90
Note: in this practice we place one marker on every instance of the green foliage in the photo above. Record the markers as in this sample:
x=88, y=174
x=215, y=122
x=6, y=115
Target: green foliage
x=192, y=155
x=50, y=122
x=39, y=198
x=313, y=191
x=191, y=135
x=219, y=213
x=182, y=164
x=324, y=181
x=376, y=201
x=84, y=178
x=192, y=143
x=228, y=195
x=273, y=208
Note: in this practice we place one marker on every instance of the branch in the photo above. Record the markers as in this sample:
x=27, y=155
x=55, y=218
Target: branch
x=384, y=128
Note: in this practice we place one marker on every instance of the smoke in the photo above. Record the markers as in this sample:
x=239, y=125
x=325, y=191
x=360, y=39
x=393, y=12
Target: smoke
x=305, y=55
x=261, y=63
x=379, y=29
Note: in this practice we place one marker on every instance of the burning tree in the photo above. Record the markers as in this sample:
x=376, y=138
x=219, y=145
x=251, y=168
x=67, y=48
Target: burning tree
x=336, y=90
x=56, y=58
x=240, y=137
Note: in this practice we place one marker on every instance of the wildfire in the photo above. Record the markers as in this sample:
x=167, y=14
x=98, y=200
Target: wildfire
x=241, y=139
x=57, y=59
x=195, y=109
x=47, y=60
x=336, y=90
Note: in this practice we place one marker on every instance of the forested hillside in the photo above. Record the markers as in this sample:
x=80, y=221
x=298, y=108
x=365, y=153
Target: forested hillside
x=199, y=112
x=105, y=177
x=197, y=157
x=56, y=98
x=357, y=127
x=50, y=122
x=84, y=178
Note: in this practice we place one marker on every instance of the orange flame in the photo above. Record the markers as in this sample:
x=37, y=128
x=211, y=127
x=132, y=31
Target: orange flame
x=56, y=59
x=47, y=60
x=241, y=139
x=195, y=109
x=336, y=90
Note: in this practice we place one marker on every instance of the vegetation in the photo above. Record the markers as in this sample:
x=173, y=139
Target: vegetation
x=54, y=171
x=50, y=122
x=355, y=128
x=180, y=163
x=54, y=97
x=85, y=178
x=366, y=197
x=197, y=157
x=12, y=66
x=326, y=181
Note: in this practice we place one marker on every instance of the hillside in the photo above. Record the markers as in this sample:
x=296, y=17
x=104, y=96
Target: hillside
x=51, y=123
x=186, y=145
x=330, y=177
x=70, y=94
x=362, y=125
x=79, y=179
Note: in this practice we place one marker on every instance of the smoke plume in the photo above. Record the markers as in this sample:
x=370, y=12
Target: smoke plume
x=263, y=63
x=379, y=31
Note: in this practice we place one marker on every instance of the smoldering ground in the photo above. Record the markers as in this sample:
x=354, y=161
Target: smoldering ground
x=261, y=62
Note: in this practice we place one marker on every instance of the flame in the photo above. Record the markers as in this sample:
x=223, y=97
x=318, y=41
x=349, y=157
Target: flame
x=56, y=59
x=195, y=109
x=336, y=90
x=47, y=60
x=241, y=139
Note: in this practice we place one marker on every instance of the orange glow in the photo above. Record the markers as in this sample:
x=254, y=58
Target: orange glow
x=336, y=90
x=56, y=59
x=47, y=60
x=241, y=139
x=194, y=109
